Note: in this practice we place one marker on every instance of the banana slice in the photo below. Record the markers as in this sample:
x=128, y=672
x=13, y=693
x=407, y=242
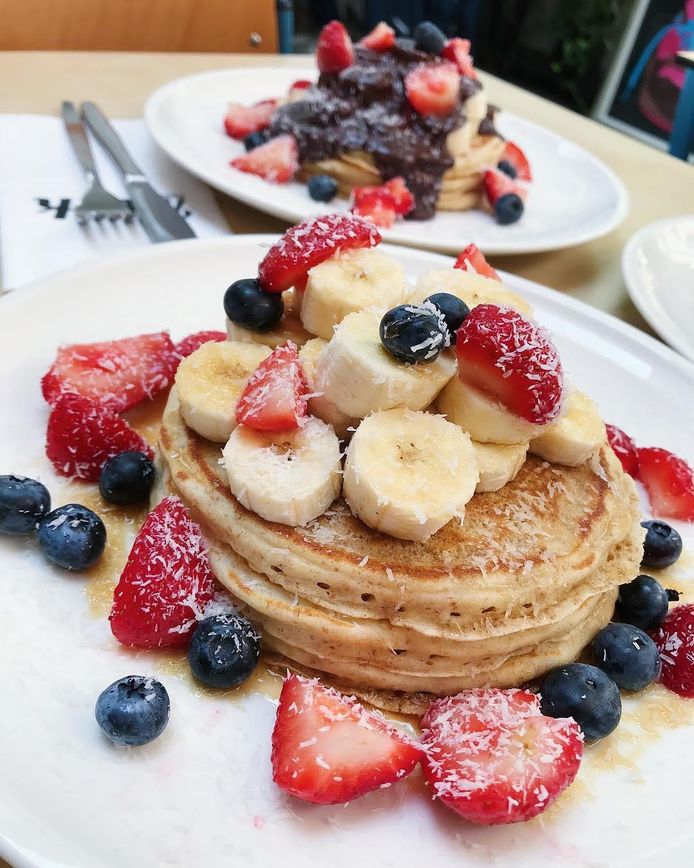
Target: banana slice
x=468, y=286
x=407, y=473
x=348, y=282
x=498, y=464
x=485, y=420
x=210, y=382
x=289, y=327
x=574, y=436
x=358, y=375
x=290, y=477
x=318, y=404
x=475, y=108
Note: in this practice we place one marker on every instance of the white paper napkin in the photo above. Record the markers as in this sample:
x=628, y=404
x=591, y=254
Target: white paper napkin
x=41, y=181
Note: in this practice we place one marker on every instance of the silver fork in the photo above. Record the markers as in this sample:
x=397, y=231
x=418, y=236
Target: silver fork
x=98, y=204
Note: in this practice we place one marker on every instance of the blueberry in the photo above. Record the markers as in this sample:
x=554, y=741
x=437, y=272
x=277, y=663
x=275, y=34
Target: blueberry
x=508, y=209
x=643, y=602
x=223, y=651
x=23, y=503
x=627, y=655
x=662, y=546
x=428, y=37
x=454, y=310
x=255, y=140
x=133, y=710
x=127, y=478
x=249, y=306
x=72, y=537
x=507, y=167
x=585, y=693
x=322, y=188
x=413, y=333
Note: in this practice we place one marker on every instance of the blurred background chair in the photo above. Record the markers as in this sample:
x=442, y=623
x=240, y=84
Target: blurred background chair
x=139, y=25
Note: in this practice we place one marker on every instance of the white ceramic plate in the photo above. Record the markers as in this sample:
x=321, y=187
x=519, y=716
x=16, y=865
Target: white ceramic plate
x=658, y=268
x=202, y=795
x=573, y=199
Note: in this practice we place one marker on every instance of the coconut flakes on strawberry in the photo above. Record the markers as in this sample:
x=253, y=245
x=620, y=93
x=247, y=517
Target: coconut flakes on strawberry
x=471, y=258
x=309, y=243
x=493, y=757
x=276, y=161
x=328, y=749
x=512, y=360
x=275, y=396
x=167, y=584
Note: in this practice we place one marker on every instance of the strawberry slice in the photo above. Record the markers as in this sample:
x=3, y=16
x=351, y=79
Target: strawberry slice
x=242, y=120
x=300, y=84
x=166, y=584
x=403, y=198
x=381, y=38
x=193, y=342
x=511, y=359
x=384, y=203
x=334, y=50
x=433, y=88
x=275, y=396
x=276, y=161
x=82, y=435
x=675, y=642
x=117, y=374
x=498, y=184
x=472, y=259
x=307, y=244
x=624, y=448
x=669, y=481
x=518, y=161
x=457, y=50
x=374, y=204
x=328, y=749
x=493, y=757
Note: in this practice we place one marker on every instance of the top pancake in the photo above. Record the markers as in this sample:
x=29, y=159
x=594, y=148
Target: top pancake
x=533, y=550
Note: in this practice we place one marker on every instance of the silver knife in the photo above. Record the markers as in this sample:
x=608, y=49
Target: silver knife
x=159, y=220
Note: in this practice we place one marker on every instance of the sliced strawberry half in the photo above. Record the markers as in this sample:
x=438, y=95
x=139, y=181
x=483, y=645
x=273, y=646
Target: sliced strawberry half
x=515, y=157
x=334, y=50
x=242, y=120
x=675, y=642
x=374, y=204
x=307, y=244
x=403, y=198
x=384, y=203
x=275, y=396
x=328, y=749
x=300, y=84
x=498, y=184
x=166, y=584
x=193, y=342
x=82, y=435
x=511, y=359
x=493, y=757
x=433, y=88
x=624, y=448
x=669, y=481
x=276, y=161
x=457, y=50
x=472, y=259
x=117, y=374
x=381, y=38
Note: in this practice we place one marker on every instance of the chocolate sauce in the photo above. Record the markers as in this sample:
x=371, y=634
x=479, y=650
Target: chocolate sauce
x=364, y=108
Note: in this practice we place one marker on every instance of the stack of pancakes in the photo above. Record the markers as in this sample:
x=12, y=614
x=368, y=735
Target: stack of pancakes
x=522, y=586
x=473, y=149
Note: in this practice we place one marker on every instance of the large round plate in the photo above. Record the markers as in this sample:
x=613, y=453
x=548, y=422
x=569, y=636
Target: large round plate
x=202, y=794
x=658, y=268
x=573, y=198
